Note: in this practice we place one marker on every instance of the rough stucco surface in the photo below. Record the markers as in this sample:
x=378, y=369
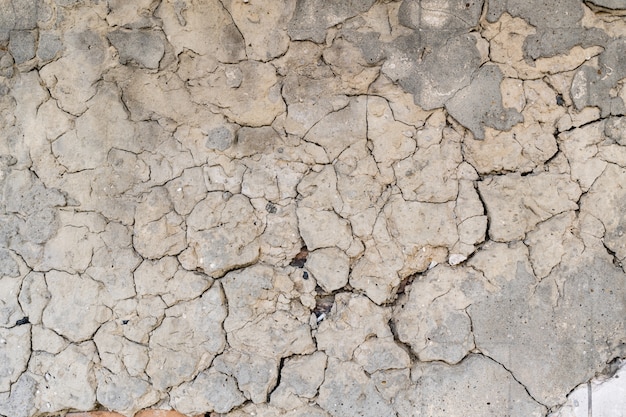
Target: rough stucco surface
x=310, y=208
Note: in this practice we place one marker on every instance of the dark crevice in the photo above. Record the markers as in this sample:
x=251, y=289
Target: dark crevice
x=406, y=347
x=278, y=378
x=301, y=257
x=613, y=255
x=571, y=129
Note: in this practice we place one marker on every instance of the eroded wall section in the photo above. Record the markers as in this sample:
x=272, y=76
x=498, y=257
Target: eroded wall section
x=310, y=207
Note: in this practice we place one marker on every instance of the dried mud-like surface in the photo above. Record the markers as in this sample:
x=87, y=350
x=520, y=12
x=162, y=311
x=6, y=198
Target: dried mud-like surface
x=310, y=207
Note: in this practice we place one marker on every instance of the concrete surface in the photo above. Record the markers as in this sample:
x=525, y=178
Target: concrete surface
x=312, y=208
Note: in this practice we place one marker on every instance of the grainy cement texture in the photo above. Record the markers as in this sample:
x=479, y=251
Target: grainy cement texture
x=310, y=207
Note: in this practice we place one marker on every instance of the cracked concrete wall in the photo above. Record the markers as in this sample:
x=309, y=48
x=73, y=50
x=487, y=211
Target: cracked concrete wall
x=310, y=208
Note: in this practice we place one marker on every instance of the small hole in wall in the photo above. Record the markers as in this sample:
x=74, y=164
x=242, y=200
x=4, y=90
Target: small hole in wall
x=300, y=259
x=323, y=305
x=559, y=100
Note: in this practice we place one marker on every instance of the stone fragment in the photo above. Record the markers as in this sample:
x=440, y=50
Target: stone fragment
x=253, y=141
x=123, y=393
x=429, y=175
x=200, y=337
x=417, y=224
x=97, y=413
x=164, y=278
x=25, y=195
x=256, y=376
x=377, y=272
x=480, y=104
x=46, y=340
x=66, y=380
x=315, y=225
x=392, y=140
x=515, y=204
x=347, y=391
x=391, y=382
x=209, y=391
x=49, y=45
x=264, y=313
x=144, y=48
x=433, y=319
x=222, y=234
x=19, y=402
x=482, y=387
x=581, y=147
x=224, y=175
x=119, y=355
x=330, y=268
x=340, y=129
x=380, y=355
x=79, y=292
x=187, y=190
x=604, y=201
x=550, y=241
x=158, y=230
x=205, y=28
x=22, y=45
x=319, y=190
x=113, y=263
x=355, y=318
x=300, y=378
x=615, y=129
x=268, y=179
x=14, y=354
x=280, y=241
x=360, y=188
x=220, y=138
x=142, y=316
x=308, y=99
x=6, y=65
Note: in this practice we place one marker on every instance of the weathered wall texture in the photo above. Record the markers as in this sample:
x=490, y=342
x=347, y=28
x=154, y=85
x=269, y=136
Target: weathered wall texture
x=310, y=207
